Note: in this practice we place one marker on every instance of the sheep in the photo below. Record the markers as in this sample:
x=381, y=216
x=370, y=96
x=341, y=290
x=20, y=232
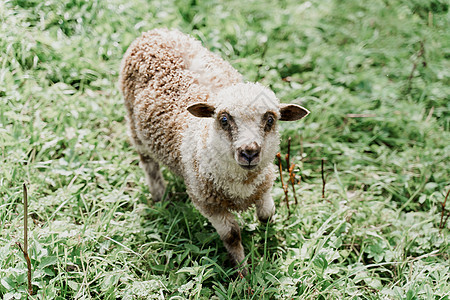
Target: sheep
x=191, y=111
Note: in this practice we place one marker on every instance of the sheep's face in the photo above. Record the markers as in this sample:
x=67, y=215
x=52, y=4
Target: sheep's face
x=246, y=121
x=248, y=135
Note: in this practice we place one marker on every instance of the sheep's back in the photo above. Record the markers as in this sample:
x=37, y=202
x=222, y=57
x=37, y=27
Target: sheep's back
x=162, y=73
x=151, y=62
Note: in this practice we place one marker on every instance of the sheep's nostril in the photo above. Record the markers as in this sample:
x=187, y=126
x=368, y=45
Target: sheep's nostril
x=249, y=155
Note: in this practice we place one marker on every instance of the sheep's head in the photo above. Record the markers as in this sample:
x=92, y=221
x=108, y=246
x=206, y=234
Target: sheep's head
x=246, y=119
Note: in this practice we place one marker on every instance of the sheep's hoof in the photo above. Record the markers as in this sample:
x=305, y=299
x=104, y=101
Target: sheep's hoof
x=159, y=196
x=265, y=220
x=241, y=271
x=156, y=199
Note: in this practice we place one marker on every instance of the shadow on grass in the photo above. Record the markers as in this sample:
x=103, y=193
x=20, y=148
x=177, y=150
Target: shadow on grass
x=178, y=237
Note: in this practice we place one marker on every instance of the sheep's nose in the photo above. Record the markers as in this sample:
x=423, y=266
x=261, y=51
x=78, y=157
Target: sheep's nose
x=250, y=152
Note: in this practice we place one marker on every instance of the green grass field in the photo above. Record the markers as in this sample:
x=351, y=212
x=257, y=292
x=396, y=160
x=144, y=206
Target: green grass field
x=375, y=76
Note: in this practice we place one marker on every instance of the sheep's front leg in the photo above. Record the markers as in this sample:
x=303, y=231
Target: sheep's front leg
x=154, y=177
x=230, y=234
x=265, y=208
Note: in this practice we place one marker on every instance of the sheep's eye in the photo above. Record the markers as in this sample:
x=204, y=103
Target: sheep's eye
x=269, y=123
x=224, y=122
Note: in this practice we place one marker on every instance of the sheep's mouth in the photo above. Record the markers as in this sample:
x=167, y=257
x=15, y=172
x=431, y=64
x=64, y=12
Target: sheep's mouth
x=248, y=167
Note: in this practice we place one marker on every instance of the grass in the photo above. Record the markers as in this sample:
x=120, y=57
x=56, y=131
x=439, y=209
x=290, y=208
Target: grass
x=94, y=232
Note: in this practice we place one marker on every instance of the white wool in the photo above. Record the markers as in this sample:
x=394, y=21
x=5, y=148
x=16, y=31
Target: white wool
x=246, y=102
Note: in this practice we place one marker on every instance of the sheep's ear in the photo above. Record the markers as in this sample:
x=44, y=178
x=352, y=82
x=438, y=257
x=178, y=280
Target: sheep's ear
x=292, y=112
x=201, y=110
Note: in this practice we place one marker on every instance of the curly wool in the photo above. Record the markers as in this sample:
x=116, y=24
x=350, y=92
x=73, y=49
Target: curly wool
x=162, y=73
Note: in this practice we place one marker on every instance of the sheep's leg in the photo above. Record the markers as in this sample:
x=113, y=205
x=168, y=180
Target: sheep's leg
x=265, y=208
x=154, y=177
x=230, y=234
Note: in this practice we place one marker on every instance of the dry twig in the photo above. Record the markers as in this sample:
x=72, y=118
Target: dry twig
x=430, y=114
x=288, y=154
x=443, y=222
x=292, y=181
x=323, y=181
x=420, y=55
x=25, y=238
x=280, y=167
x=291, y=171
